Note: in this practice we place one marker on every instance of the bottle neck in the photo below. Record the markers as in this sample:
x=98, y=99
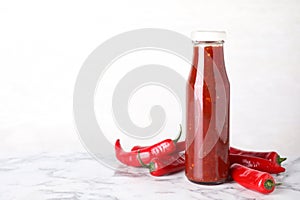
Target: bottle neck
x=208, y=52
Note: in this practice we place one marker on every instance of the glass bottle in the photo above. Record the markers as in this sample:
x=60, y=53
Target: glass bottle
x=207, y=139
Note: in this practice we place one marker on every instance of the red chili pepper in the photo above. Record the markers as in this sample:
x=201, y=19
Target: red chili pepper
x=256, y=163
x=163, y=166
x=180, y=146
x=271, y=156
x=128, y=158
x=252, y=179
x=158, y=150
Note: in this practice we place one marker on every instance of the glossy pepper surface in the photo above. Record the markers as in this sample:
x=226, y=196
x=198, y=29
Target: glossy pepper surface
x=271, y=155
x=157, y=150
x=252, y=179
x=256, y=163
x=167, y=165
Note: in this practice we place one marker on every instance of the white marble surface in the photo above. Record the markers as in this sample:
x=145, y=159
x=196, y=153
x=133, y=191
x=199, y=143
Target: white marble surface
x=79, y=176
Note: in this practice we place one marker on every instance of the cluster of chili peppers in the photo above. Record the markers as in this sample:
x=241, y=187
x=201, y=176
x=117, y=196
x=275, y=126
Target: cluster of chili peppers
x=161, y=158
x=253, y=169
x=250, y=169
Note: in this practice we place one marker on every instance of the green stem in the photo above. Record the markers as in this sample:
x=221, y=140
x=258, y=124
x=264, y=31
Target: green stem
x=141, y=162
x=280, y=160
x=180, y=132
x=269, y=184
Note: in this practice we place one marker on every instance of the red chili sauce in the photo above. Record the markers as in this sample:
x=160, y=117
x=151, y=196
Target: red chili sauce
x=207, y=140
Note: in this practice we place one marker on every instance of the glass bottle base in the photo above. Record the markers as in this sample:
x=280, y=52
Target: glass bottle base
x=209, y=183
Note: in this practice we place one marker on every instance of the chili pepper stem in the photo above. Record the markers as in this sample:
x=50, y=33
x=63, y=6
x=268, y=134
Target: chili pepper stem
x=140, y=160
x=276, y=184
x=150, y=166
x=280, y=160
x=269, y=184
x=180, y=132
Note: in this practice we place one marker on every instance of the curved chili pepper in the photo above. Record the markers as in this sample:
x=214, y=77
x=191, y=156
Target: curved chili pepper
x=271, y=156
x=163, y=166
x=180, y=146
x=158, y=150
x=252, y=179
x=256, y=163
x=128, y=158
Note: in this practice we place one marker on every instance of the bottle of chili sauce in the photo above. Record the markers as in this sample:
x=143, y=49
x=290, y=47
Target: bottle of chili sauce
x=207, y=138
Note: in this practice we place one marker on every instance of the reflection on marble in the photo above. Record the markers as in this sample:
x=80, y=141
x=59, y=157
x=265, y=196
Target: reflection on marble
x=79, y=176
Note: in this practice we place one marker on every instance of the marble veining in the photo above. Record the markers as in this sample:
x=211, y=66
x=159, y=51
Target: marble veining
x=79, y=176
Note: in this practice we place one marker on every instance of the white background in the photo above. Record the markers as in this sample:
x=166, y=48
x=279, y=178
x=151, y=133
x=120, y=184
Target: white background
x=44, y=43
